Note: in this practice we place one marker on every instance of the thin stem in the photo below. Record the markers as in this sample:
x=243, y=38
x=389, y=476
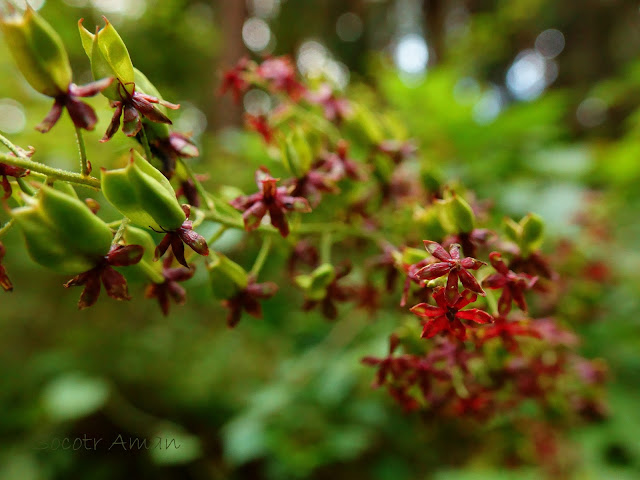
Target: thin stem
x=6, y=227
x=154, y=275
x=7, y=143
x=85, y=166
x=51, y=172
x=145, y=144
x=325, y=247
x=262, y=256
x=216, y=236
x=123, y=226
x=199, y=188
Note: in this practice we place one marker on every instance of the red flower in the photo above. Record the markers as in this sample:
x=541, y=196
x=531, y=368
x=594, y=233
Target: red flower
x=335, y=108
x=178, y=238
x=170, y=289
x=5, y=282
x=131, y=108
x=507, y=330
x=346, y=165
x=247, y=300
x=170, y=149
x=280, y=74
x=234, y=81
x=82, y=115
x=512, y=284
x=446, y=317
x=114, y=282
x=275, y=201
x=396, y=150
x=450, y=263
x=10, y=171
x=260, y=124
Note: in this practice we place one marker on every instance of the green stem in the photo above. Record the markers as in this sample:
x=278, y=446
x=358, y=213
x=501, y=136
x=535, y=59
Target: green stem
x=7, y=143
x=262, y=256
x=216, y=236
x=123, y=226
x=55, y=173
x=85, y=167
x=6, y=227
x=199, y=188
x=145, y=144
x=154, y=275
x=25, y=187
x=325, y=247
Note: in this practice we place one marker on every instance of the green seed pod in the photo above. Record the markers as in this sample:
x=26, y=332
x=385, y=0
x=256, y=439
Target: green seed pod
x=140, y=272
x=315, y=284
x=109, y=58
x=61, y=232
x=512, y=230
x=141, y=193
x=532, y=233
x=297, y=155
x=459, y=213
x=38, y=51
x=227, y=278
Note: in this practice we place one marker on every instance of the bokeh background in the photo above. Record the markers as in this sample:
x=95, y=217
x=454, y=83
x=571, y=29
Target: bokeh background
x=534, y=104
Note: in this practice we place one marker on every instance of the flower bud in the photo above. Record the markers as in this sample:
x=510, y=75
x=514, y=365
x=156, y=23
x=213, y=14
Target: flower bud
x=297, y=155
x=315, y=284
x=459, y=213
x=227, y=278
x=109, y=58
x=532, y=232
x=141, y=193
x=62, y=233
x=38, y=51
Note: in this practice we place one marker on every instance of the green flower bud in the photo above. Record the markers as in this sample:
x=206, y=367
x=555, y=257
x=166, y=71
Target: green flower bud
x=512, y=230
x=315, y=284
x=297, y=155
x=532, y=233
x=61, y=232
x=227, y=278
x=460, y=213
x=141, y=193
x=109, y=58
x=38, y=51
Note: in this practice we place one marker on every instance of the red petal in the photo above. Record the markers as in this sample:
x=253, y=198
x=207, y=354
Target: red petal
x=115, y=284
x=432, y=328
x=470, y=282
x=504, y=303
x=454, y=251
x=195, y=241
x=163, y=246
x=426, y=310
x=451, y=293
x=52, y=117
x=115, y=123
x=436, y=250
x=496, y=261
x=471, y=263
x=433, y=271
x=497, y=280
x=91, y=291
x=177, y=247
x=82, y=115
x=279, y=221
x=475, y=315
x=5, y=282
x=125, y=255
x=253, y=216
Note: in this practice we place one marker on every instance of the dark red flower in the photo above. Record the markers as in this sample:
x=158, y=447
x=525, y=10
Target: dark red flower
x=335, y=108
x=315, y=182
x=536, y=265
x=385, y=365
x=168, y=150
x=188, y=190
x=177, y=239
x=275, y=201
x=507, y=330
x=82, y=115
x=334, y=293
x=346, y=166
x=10, y=171
x=170, y=288
x=114, y=282
x=5, y=282
x=248, y=300
x=260, y=124
x=387, y=263
x=445, y=317
x=512, y=284
x=456, y=268
x=131, y=108
x=303, y=253
x=234, y=80
x=280, y=75
x=411, y=272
